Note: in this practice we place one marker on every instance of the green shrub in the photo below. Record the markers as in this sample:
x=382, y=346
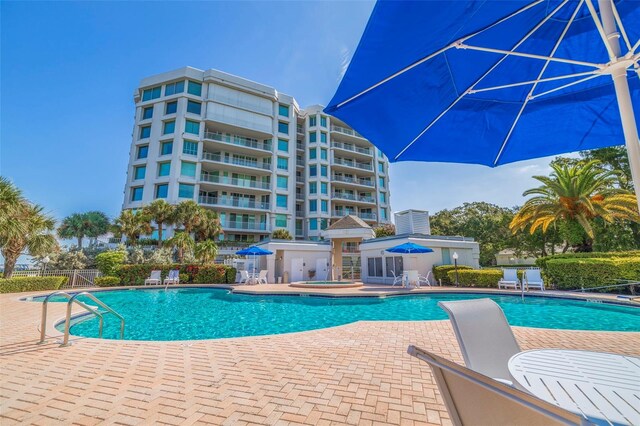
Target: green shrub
x=109, y=261
x=572, y=274
x=541, y=261
x=210, y=275
x=200, y=274
x=231, y=275
x=440, y=272
x=108, y=281
x=20, y=284
x=476, y=277
x=184, y=278
x=520, y=272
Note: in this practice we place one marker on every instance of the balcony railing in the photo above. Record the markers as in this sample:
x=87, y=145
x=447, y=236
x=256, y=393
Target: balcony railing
x=352, y=148
x=299, y=179
x=300, y=146
x=299, y=196
x=349, y=163
x=353, y=197
x=234, y=202
x=238, y=140
x=299, y=162
x=250, y=226
x=346, y=131
x=236, y=161
x=357, y=181
x=242, y=183
x=365, y=216
x=300, y=129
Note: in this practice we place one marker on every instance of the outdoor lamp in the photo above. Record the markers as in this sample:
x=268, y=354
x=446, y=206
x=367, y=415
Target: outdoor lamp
x=455, y=264
x=45, y=260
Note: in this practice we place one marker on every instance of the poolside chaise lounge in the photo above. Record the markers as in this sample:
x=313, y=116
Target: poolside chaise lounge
x=474, y=399
x=262, y=277
x=173, y=277
x=484, y=336
x=397, y=279
x=244, y=277
x=532, y=278
x=154, y=278
x=509, y=279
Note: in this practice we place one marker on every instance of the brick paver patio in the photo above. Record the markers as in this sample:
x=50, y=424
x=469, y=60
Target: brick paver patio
x=353, y=374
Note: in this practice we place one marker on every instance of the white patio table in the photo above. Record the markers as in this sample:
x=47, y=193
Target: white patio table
x=602, y=387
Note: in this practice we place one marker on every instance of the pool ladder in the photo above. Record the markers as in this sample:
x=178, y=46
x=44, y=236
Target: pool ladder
x=74, y=299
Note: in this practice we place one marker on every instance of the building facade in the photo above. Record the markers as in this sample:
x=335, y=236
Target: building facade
x=251, y=154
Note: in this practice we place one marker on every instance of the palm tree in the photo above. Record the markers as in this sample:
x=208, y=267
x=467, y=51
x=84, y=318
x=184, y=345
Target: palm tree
x=35, y=237
x=209, y=226
x=281, y=234
x=162, y=213
x=182, y=242
x=11, y=200
x=79, y=225
x=188, y=214
x=132, y=225
x=97, y=223
x=206, y=251
x=572, y=196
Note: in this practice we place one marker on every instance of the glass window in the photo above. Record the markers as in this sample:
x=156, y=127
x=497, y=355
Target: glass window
x=323, y=121
x=145, y=132
x=147, y=113
x=283, y=163
x=324, y=187
x=323, y=171
x=194, y=107
x=283, y=127
x=383, y=197
x=136, y=193
x=394, y=266
x=281, y=220
x=323, y=137
x=164, y=169
x=380, y=154
x=312, y=121
x=162, y=190
x=283, y=145
x=194, y=88
x=185, y=190
x=171, y=107
x=169, y=127
x=283, y=182
x=143, y=151
x=381, y=167
x=139, y=172
x=383, y=213
x=166, y=148
x=190, y=148
x=323, y=154
x=283, y=110
x=313, y=137
x=313, y=187
x=173, y=88
x=324, y=224
x=312, y=153
x=152, y=93
x=192, y=127
x=281, y=201
x=324, y=206
x=188, y=169
x=374, y=265
x=313, y=205
x=313, y=224
x=381, y=181
x=313, y=170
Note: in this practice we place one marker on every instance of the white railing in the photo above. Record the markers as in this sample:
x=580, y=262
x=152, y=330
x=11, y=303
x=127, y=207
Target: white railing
x=356, y=181
x=237, y=140
x=352, y=148
x=77, y=278
x=355, y=164
x=346, y=131
x=242, y=183
x=353, y=197
x=235, y=161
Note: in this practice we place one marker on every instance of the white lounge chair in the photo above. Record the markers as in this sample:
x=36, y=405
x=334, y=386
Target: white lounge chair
x=173, y=277
x=424, y=279
x=484, y=336
x=532, y=278
x=154, y=278
x=262, y=277
x=244, y=277
x=474, y=399
x=397, y=279
x=509, y=279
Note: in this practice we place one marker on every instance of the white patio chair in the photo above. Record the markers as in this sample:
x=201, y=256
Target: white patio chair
x=262, y=277
x=397, y=279
x=474, y=399
x=509, y=279
x=413, y=278
x=173, y=277
x=532, y=278
x=484, y=336
x=154, y=278
x=244, y=277
x=424, y=279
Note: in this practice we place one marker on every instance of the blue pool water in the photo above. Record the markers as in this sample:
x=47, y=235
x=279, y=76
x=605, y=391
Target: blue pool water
x=203, y=313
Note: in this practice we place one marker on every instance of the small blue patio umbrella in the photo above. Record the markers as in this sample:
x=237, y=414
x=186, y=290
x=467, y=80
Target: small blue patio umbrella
x=493, y=82
x=408, y=248
x=255, y=251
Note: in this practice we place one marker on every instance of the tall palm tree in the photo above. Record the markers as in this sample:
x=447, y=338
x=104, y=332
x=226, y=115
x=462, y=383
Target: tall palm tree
x=189, y=214
x=79, y=225
x=132, y=225
x=97, y=223
x=206, y=251
x=162, y=213
x=573, y=195
x=11, y=200
x=209, y=226
x=182, y=242
x=36, y=236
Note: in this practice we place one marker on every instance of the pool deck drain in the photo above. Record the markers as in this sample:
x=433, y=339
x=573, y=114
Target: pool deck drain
x=352, y=374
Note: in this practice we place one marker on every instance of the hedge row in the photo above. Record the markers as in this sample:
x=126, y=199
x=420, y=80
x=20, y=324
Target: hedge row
x=572, y=274
x=476, y=277
x=20, y=284
x=440, y=273
x=189, y=274
x=107, y=281
x=541, y=261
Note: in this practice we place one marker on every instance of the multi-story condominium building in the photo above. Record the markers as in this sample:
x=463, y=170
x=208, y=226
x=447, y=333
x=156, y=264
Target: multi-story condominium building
x=251, y=154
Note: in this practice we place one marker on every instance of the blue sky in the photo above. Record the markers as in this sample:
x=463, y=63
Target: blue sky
x=69, y=69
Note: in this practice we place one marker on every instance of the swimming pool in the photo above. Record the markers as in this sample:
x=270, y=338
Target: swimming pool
x=207, y=313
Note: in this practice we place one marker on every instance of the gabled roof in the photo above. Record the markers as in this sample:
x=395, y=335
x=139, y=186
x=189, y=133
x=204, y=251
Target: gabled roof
x=349, y=222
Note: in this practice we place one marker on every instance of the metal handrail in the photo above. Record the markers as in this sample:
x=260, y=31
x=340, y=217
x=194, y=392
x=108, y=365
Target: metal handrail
x=73, y=300
x=43, y=320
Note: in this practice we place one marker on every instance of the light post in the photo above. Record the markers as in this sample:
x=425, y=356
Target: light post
x=455, y=263
x=45, y=260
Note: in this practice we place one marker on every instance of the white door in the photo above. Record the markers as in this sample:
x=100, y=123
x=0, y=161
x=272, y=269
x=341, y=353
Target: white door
x=296, y=269
x=322, y=269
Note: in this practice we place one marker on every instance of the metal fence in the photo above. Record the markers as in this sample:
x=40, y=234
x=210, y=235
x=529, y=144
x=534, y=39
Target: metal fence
x=77, y=278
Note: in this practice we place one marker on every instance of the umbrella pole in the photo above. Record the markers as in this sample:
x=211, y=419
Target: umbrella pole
x=619, y=75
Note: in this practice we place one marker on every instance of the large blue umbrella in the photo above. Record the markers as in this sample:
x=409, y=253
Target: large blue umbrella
x=255, y=251
x=407, y=248
x=493, y=82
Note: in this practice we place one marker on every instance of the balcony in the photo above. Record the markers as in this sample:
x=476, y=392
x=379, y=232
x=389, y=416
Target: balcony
x=240, y=183
x=300, y=146
x=235, y=161
x=300, y=129
x=355, y=181
x=353, y=197
x=351, y=163
x=299, y=162
x=226, y=201
x=238, y=141
x=299, y=179
x=245, y=226
x=299, y=196
x=364, y=216
x=352, y=148
x=346, y=131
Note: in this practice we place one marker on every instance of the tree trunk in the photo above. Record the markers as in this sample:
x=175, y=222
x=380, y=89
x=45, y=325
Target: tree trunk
x=159, y=234
x=566, y=247
x=10, y=260
x=79, y=243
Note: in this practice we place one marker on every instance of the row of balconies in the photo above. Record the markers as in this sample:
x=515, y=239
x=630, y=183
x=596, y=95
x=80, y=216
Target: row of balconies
x=238, y=140
x=353, y=197
x=235, y=161
x=346, y=131
x=352, y=163
x=229, y=201
x=241, y=183
x=352, y=148
x=355, y=181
